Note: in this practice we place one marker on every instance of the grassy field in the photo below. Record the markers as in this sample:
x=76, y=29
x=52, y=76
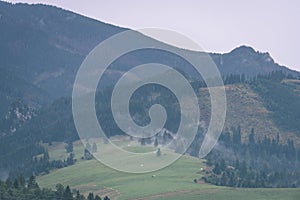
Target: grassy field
x=172, y=182
x=232, y=194
x=57, y=150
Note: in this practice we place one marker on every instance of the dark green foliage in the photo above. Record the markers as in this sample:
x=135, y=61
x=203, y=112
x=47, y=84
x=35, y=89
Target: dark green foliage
x=67, y=195
x=19, y=191
x=217, y=169
x=106, y=198
x=245, y=176
x=236, y=136
x=234, y=78
x=79, y=196
x=251, y=138
x=59, y=191
x=143, y=141
x=265, y=162
x=69, y=147
x=90, y=196
x=89, y=147
x=97, y=197
x=87, y=154
x=158, y=152
x=27, y=165
x=155, y=142
x=32, y=184
x=282, y=101
x=70, y=160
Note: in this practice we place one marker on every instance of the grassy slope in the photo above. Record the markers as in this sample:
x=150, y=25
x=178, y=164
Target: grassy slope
x=246, y=108
x=236, y=194
x=173, y=182
x=94, y=176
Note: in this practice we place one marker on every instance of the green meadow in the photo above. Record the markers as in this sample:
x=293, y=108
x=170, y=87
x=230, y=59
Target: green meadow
x=172, y=182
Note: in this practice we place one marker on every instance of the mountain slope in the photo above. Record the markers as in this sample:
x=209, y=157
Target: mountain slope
x=44, y=46
x=245, y=107
x=14, y=88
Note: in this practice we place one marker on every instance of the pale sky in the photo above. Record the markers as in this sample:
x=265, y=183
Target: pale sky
x=217, y=26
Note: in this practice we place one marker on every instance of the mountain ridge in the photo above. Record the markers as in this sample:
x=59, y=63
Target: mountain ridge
x=45, y=45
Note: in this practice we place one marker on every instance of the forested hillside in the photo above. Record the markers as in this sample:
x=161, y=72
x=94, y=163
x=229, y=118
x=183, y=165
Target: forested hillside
x=41, y=49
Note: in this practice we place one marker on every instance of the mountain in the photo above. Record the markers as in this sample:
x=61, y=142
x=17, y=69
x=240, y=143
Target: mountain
x=245, y=60
x=42, y=47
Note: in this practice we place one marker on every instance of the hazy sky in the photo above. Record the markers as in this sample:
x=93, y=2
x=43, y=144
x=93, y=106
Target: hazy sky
x=217, y=26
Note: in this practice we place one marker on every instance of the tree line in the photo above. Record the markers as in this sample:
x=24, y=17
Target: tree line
x=259, y=162
x=20, y=189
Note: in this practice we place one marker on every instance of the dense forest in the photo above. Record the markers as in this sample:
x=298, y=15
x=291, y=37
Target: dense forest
x=20, y=189
x=257, y=162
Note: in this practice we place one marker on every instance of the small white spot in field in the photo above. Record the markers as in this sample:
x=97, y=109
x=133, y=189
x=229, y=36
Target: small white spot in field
x=128, y=145
x=142, y=165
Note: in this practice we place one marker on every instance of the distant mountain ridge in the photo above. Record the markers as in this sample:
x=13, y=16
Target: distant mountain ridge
x=245, y=60
x=45, y=45
x=42, y=47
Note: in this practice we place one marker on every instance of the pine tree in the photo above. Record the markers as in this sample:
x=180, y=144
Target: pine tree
x=243, y=169
x=16, y=184
x=217, y=169
x=155, y=142
x=222, y=165
x=251, y=137
x=67, y=195
x=21, y=181
x=32, y=184
x=78, y=195
x=97, y=197
x=143, y=141
x=69, y=147
x=88, y=147
x=59, y=191
x=158, y=153
x=90, y=196
x=94, y=148
x=106, y=198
